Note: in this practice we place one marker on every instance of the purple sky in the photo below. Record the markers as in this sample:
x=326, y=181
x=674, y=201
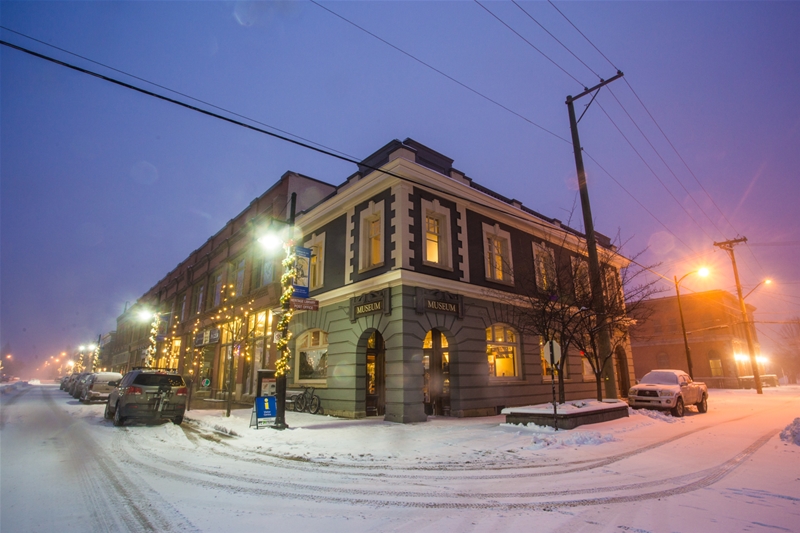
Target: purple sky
x=105, y=190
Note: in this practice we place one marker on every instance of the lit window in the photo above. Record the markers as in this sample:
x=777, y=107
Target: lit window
x=716, y=368
x=433, y=238
x=372, y=238
x=312, y=356
x=497, y=254
x=545, y=265
x=317, y=264
x=580, y=279
x=436, y=247
x=502, y=348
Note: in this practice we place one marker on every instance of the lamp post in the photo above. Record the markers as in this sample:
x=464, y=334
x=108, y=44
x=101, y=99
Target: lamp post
x=702, y=272
x=282, y=346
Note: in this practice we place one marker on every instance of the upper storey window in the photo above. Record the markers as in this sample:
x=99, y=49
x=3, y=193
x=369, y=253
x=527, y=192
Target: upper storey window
x=372, y=236
x=545, y=264
x=497, y=254
x=316, y=274
x=436, y=247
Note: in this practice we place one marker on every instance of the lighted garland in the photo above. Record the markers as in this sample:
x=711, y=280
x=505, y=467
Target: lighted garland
x=150, y=354
x=282, y=364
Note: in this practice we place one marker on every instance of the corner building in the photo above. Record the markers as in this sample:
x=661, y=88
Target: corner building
x=407, y=262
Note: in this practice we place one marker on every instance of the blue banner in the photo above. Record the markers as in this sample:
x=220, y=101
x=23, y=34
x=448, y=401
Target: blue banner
x=265, y=407
x=302, y=266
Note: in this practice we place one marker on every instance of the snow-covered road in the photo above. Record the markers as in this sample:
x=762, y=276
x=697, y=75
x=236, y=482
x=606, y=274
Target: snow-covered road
x=64, y=468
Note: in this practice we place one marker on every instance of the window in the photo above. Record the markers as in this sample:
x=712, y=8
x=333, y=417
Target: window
x=436, y=247
x=716, y=368
x=662, y=360
x=497, y=254
x=183, y=308
x=502, y=348
x=588, y=373
x=217, y=289
x=267, y=273
x=545, y=264
x=580, y=279
x=612, y=286
x=199, y=295
x=259, y=328
x=312, y=356
x=239, y=277
x=316, y=275
x=372, y=238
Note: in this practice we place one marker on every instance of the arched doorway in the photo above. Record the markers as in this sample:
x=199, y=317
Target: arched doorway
x=375, y=376
x=621, y=364
x=436, y=371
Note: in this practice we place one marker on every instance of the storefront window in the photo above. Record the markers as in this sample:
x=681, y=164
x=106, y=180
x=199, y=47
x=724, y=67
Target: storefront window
x=502, y=348
x=312, y=356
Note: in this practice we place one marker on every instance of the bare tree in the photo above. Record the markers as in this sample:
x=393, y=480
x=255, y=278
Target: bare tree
x=624, y=291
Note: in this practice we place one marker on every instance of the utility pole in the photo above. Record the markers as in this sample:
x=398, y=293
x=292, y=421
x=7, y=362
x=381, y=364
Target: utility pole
x=728, y=247
x=595, y=275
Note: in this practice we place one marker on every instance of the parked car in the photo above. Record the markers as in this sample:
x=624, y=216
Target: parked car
x=69, y=380
x=670, y=390
x=74, y=386
x=97, y=387
x=64, y=381
x=147, y=394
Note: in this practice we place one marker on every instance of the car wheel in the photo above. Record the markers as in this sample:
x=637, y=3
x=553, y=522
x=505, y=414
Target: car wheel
x=679, y=408
x=118, y=419
x=178, y=420
x=107, y=413
x=702, y=407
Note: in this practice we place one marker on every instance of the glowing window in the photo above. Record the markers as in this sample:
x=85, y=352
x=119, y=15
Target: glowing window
x=502, y=348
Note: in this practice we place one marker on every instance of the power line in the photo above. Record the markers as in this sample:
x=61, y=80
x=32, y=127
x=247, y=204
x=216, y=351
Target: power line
x=556, y=39
x=638, y=202
x=515, y=32
x=431, y=67
x=653, y=172
x=348, y=159
x=171, y=90
x=689, y=194
x=584, y=36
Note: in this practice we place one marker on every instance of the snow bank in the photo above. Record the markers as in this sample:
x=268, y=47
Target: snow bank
x=791, y=433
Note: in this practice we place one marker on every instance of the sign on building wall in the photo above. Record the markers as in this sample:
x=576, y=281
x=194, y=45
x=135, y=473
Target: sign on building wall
x=433, y=301
x=302, y=266
x=207, y=336
x=371, y=303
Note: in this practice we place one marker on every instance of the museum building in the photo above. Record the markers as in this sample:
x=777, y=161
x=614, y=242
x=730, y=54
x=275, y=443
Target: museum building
x=412, y=263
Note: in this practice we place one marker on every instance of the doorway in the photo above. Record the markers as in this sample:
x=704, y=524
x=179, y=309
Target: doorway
x=376, y=376
x=436, y=373
x=621, y=364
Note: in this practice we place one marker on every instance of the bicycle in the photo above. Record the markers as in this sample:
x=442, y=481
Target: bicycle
x=307, y=401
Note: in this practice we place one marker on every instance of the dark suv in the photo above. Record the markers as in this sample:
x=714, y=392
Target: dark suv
x=147, y=394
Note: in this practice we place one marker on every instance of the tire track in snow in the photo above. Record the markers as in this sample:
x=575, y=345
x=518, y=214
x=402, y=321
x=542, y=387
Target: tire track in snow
x=311, y=492
x=125, y=507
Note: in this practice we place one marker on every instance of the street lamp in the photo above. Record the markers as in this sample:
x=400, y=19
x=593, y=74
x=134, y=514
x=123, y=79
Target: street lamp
x=701, y=272
x=762, y=282
x=287, y=289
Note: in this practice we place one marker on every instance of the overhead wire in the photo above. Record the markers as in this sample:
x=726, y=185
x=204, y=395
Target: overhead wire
x=501, y=21
x=664, y=134
x=360, y=163
x=442, y=73
x=170, y=90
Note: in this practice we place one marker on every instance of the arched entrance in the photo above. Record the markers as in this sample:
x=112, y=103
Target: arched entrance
x=621, y=364
x=375, y=376
x=436, y=369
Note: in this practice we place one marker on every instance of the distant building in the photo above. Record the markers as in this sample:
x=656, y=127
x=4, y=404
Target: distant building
x=716, y=335
x=403, y=261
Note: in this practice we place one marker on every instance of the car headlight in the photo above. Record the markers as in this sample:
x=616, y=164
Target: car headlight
x=666, y=393
x=632, y=392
